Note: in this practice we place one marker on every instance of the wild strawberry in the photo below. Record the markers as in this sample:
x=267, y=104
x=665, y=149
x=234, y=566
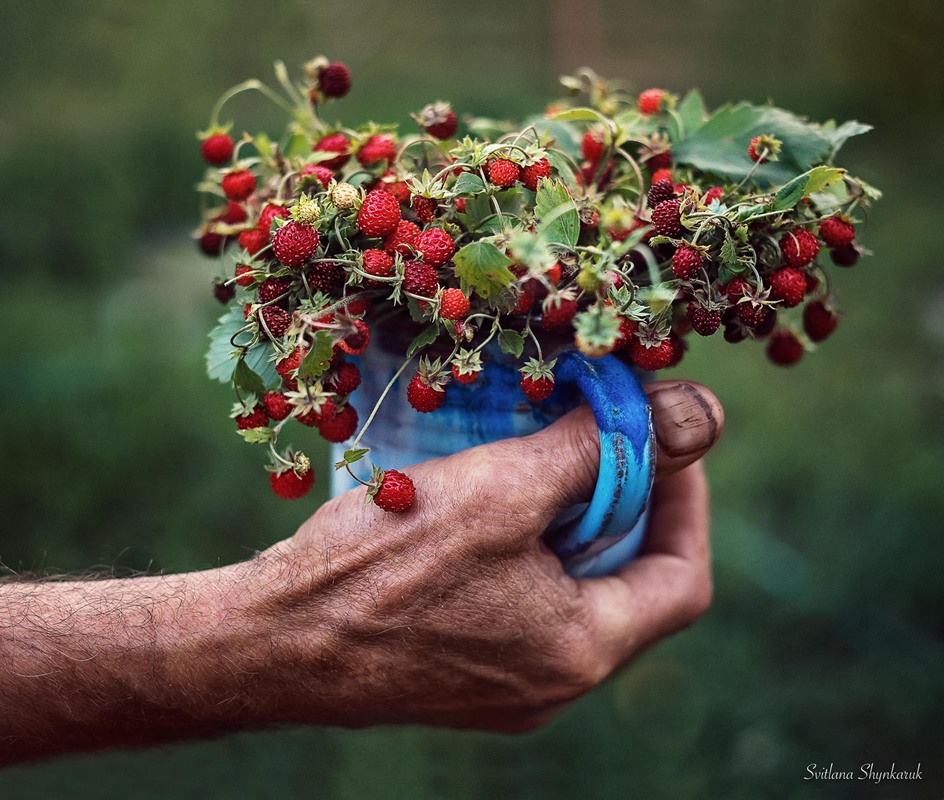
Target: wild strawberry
x=217, y=149
x=295, y=243
x=736, y=288
x=344, y=196
x=845, y=256
x=403, y=239
x=252, y=418
x=525, y=298
x=666, y=217
x=379, y=214
x=651, y=356
x=245, y=275
x=274, y=321
x=377, y=263
x=223, y=291
x=289, y=485
x=325, y=276
x=395, y=493
x=651, y=101
x=503, y=172
x=788, y=285
x=557, y=314
x=686, y=261
x=424, y=208
x=420, y=279
x=212, y=243
x=435, y=246
x=339, y=427
x=269, y=214
x=714, y=193
x=357, y=305
x=357, y=340
x=554, y=273
x=271, y=288
x=592, y=145
x=627, y=327
x=334, y=80
x=799, y=247
x=537, y=389
x=334, y=143
x=459, y=203
x=316, y=172
x=346, y=379
x=439, y=120
x=233, y=214
x=659, y=160
x=660, y=191
x=238, y=184
x=819, y=320
x=837, y=232
x=276, y=405
x=764, y=148
x=784, y=349
x=662, y=175
x=705, y=321
x=378, y=148
x=532, y=174
x=253, y=240
x=315, y=416
x=394, y=186
x=286, y=367
x=423, y=396
x=454, y=304
x=751, y=313
x=464, y=377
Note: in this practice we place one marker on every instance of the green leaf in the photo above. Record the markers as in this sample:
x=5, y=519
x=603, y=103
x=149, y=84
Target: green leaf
x=838, y=136
x=261, y=435
x=728, y=253
x=815, y=180
x=468, y=183
x=483, y=268
x=221, y=355
x=511, y=343
x=575, y=114
x=426, y=336
x=259, y=359
x=247, y=381
x=480, y=216
x=318, y=358
x=691, y=112
x=558, y=221
x=353, y=456
x=556, y=134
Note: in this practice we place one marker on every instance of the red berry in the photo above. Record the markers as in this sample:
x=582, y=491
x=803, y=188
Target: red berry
x=660, y=191
x=346, y=379
x=435, y=246
x=325, y=276
x=836, y=232
x=253, y=240
x=799, y=247
x=819, y=321
x=667, y=218
x=784, y=349
x=256, y=418
x=503, y=172
x=627, y=327
x=714, y=193
x=356, y=342
x=319, y=172
x=379, y=214
x=223, y=291
x=532, y=174
x=286, y=367
x=274, y=321
x=377, y=263
x=751, y=313
x=334, y=143
x=686, y=261
x=537, y=389
x=276, y=405
x=289, y=486
x=403, y=239
x=789, y=286
x=338, y=427
x=845, y=256
x=238, y=184
x=420, y=279
x=592, y=146
x=244, y=276
x=271, y=288
x=294, y=243
x=424, y=397
x=651, y=358
x=454, y=304
x=334, y=80
x=704, y=320
x=217, y=149
x=396, y=492
x=650, y=101
x=381, y=147
x=234, y=213
x=212, y=243
x=464, y=377
x=269, y=214
x=439, y=121
x=556, y=317
x=662, y=175
x=424, y=208
x=736, y=288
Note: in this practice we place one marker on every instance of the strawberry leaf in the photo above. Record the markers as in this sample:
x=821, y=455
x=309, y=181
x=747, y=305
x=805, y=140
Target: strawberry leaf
x=221, y=355
x=558, y=221
x=259, y=360
x=247, y=381
x=815, y=180
x=691, y=113
x=355, y=455
x=261, y=435
x=511, y=343
x=483, y=268
x=468, y=183
x=318, y=358
x=426, y=336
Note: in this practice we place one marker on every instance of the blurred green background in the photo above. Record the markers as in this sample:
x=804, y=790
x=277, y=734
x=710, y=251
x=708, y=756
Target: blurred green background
x=824, y=642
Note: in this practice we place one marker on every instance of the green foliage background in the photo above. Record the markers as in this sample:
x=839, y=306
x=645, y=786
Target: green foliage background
x=824, y=642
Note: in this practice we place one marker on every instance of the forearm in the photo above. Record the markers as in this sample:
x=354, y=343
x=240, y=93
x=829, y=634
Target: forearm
x=90, y=664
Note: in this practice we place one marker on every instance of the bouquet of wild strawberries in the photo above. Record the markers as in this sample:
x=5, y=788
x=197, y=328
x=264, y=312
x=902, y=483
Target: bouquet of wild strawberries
x=618, y=223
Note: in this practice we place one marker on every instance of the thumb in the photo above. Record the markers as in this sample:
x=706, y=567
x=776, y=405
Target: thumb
x=688, y=420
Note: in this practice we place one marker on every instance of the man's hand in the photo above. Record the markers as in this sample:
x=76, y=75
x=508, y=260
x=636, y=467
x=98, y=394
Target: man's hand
x=453, y=613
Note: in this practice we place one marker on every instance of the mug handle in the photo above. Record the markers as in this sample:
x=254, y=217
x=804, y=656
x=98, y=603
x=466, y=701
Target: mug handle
x=610, y=531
